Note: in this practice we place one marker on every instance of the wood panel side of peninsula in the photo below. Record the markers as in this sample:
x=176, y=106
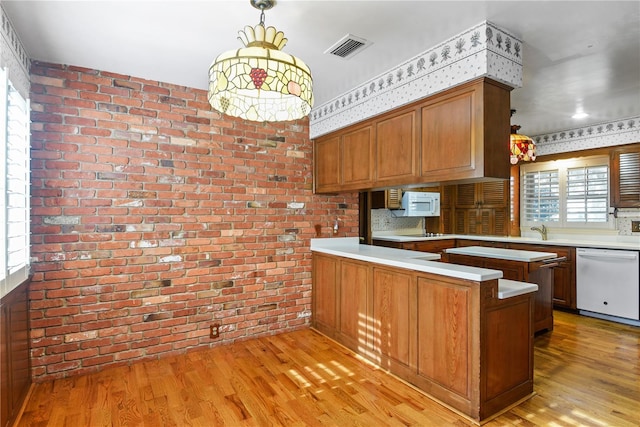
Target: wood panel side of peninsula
x=452, y=338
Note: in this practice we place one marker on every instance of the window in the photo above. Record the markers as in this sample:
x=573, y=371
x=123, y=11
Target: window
x=541, y=196
x=14, y=185
x=587, y=194
x=566, y=194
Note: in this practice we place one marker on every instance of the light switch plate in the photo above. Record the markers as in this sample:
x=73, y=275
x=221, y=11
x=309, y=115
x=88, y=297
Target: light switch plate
x=635, y=226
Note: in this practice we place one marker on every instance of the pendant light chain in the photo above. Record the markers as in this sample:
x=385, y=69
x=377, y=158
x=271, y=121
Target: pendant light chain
x=262, y=16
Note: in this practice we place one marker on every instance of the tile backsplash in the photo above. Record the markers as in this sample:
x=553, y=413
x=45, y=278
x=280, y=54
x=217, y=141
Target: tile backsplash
x=623, y=222
x=385, y=220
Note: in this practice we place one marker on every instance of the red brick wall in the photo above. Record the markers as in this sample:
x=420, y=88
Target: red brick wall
x=154, y=217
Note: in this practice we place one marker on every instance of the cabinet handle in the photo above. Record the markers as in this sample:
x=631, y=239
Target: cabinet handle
x=550, y=265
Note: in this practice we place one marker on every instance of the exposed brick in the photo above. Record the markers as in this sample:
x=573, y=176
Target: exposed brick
x=153, y=215
x=80, y=336
x=127, y=84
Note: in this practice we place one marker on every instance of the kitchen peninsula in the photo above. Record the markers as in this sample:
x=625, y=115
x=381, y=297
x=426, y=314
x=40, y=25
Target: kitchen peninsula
x=461, y=334
x=529, y=266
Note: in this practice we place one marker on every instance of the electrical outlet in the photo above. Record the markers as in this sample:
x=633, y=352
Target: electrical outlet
x=214, y=330
x=635, y=226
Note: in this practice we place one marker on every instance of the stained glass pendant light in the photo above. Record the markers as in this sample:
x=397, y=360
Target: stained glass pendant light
x=260, y=82
x=522, y=147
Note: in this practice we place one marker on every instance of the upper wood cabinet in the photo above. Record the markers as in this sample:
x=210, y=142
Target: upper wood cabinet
x=465, y=133
x=358, y=157
x=397, y=148
x=490, y=194
x=387, y=199
x=625, y=177
x=482, y=208
x=344, y=162
x=459, y=134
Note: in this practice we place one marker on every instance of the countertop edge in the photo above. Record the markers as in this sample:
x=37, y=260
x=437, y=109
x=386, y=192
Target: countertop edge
x=577, y=243
x=511, y=288
x=501, y=253
x=401, y=258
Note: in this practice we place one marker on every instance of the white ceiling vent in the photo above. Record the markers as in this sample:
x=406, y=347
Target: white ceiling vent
x=348, y=46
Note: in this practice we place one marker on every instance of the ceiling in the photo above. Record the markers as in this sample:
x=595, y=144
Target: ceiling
x=577, y=54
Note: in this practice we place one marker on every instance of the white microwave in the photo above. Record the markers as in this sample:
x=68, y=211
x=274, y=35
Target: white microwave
x=418, y=203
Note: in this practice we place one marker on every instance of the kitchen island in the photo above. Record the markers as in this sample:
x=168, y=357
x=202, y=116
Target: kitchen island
x=461, y=334
x=529, y=266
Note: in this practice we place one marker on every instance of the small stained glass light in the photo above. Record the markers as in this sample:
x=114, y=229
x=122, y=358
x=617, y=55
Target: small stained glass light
x=260, y=82
x=522, y=147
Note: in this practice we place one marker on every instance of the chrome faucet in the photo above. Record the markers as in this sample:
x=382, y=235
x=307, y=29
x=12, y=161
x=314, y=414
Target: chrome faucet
x=542, y=230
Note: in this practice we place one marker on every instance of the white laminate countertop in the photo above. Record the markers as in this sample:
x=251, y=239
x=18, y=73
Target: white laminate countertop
x=500, y=253
x=350, y=247
x=510, y=288
x=582, y=241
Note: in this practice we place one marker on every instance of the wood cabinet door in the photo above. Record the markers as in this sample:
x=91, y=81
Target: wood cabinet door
x=448, y=136
x=479, y=222
x=512, y=270
x=482, y=208
x=357, y=156
x=444, y=333
x=466, y=196
x=354, y=304
x=493, y=194
x=327, y=164
x=564, y=276
x=485, y=222
x=465, y=221
x=435, y=246
x=509, y=349
x=397, y=147
x=564, y=289
x=492, y=222
x=325, y=293
x=501, y=222
x=392, y=316
x=625, y=178
x=5, y=385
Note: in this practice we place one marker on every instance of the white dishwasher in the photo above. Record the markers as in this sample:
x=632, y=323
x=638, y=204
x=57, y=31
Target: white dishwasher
x=608, y=282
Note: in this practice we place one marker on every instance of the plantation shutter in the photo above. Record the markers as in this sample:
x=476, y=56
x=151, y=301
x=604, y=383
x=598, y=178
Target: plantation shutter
x=587, y=194
x=15, y=164
x=541, y=196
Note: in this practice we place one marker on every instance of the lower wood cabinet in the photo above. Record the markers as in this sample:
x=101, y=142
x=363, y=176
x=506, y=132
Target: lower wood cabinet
x=354, y=297
x=431, y=246
x=531, y=272
x=564, y=275
x=15, y=369
x=452, y=338
x=325, y=293
x=445, y=317
x=393, y=318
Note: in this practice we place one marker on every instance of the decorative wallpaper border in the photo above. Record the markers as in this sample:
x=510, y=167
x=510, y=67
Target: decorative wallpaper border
x=618, y=132
x=482, y=50
x=13, y=56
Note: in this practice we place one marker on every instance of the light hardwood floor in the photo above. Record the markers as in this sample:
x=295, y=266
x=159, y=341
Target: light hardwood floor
x=587, y=373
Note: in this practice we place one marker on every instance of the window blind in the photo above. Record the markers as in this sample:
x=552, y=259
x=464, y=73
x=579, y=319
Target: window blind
x=541, y=201
x=587, y=194
x=14, y=208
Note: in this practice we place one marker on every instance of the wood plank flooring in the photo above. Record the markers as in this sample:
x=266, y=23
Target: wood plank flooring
x=587, y=373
